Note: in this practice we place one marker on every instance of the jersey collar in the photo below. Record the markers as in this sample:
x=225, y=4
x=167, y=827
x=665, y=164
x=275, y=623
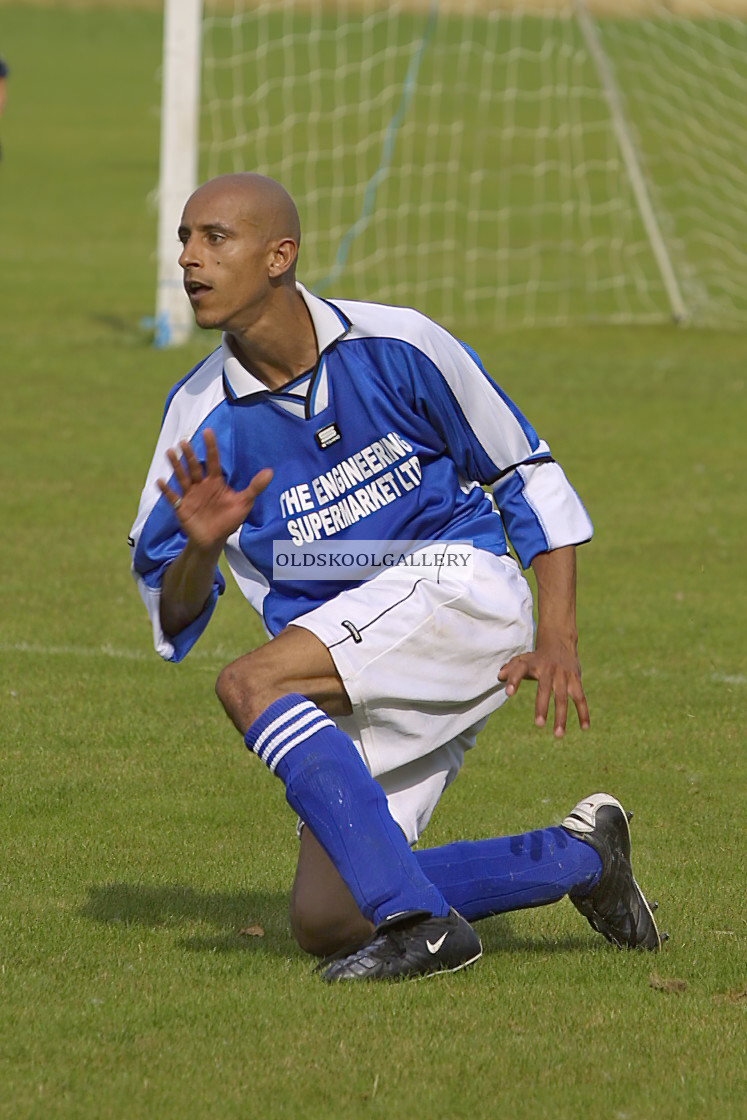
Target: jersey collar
x=329, y=325
x=329, y=322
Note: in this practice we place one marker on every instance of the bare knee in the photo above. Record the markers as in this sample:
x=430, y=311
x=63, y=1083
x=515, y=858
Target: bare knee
x=323, y=915
x=293, y=662
x=321, y=928
x=245, y=689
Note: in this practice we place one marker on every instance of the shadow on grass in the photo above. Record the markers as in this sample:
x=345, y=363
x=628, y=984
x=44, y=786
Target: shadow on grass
x=125, y=330
x=237, y=917
x=498, y=935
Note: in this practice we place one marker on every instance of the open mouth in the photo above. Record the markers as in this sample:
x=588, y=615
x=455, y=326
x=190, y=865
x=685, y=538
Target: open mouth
x=195, y=289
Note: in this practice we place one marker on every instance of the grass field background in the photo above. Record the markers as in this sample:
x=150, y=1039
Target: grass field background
x=140, y=842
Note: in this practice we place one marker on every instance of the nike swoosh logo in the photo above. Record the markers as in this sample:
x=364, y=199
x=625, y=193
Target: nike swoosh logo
x=434, y=946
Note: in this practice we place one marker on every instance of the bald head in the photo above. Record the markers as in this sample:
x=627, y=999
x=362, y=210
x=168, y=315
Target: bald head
x=259, y=200
x=240, y=235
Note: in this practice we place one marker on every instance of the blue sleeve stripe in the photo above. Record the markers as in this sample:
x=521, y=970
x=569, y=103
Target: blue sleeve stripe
x=524, y=526
x=541, y=510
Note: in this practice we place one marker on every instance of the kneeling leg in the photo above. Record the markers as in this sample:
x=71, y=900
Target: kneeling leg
x=323, y=914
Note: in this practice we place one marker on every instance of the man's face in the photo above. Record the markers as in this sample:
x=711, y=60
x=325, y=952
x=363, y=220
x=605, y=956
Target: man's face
x=226, y=259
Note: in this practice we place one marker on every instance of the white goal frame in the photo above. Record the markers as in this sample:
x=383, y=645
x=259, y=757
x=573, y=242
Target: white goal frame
x=180, y=147
x=180, y=114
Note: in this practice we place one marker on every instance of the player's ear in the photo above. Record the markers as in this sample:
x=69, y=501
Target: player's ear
x=283, y=257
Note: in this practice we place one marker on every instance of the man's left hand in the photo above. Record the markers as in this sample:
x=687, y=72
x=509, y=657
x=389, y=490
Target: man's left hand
x=557, y=671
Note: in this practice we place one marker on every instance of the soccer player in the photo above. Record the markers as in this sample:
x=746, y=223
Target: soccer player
x=324, y=433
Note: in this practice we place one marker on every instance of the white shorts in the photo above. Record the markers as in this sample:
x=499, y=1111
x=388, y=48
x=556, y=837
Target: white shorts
x=419, y=659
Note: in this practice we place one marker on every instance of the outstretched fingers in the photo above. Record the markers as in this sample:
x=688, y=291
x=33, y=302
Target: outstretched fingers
x=193, y=464
x=187, y=468
x=513, y=673
x=260, y=482
x=564, y=687
x=559, y=690
x=554, y=682
x=577, y=695
x=212, y=458
x=181, y=474
x=545, y=687
x=207, y=508
x=170, y=495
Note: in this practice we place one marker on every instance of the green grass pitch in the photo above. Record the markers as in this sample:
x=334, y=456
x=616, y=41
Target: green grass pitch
x=139, y=843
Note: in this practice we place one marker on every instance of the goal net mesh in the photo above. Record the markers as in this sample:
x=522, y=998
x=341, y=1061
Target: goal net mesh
x=462, y=157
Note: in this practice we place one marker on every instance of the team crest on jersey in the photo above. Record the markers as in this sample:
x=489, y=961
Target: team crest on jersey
x=327, y=435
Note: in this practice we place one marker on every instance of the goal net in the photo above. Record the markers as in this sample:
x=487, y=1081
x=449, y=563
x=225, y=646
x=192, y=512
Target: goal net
x=501, y=161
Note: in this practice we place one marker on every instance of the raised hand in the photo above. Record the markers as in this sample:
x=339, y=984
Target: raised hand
x=207, y=509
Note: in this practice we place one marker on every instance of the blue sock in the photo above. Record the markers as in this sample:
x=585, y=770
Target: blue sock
x=483, y=877
x=328, y=785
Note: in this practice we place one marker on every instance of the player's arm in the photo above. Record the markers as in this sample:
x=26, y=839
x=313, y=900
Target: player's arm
x=490, y=440
x=187, y=586
x=553, y=663
x=208, y=511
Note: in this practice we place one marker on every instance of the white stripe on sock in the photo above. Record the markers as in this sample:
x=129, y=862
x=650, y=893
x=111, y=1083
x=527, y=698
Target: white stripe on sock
x=286, y=717
x=282, y=735
x=298, y=739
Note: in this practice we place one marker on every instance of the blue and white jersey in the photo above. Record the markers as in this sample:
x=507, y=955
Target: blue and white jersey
x=391, y=437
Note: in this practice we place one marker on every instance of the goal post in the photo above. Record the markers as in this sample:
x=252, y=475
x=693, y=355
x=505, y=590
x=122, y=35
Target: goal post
x=180, y=111
x=509, y=162
x=631, y=161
